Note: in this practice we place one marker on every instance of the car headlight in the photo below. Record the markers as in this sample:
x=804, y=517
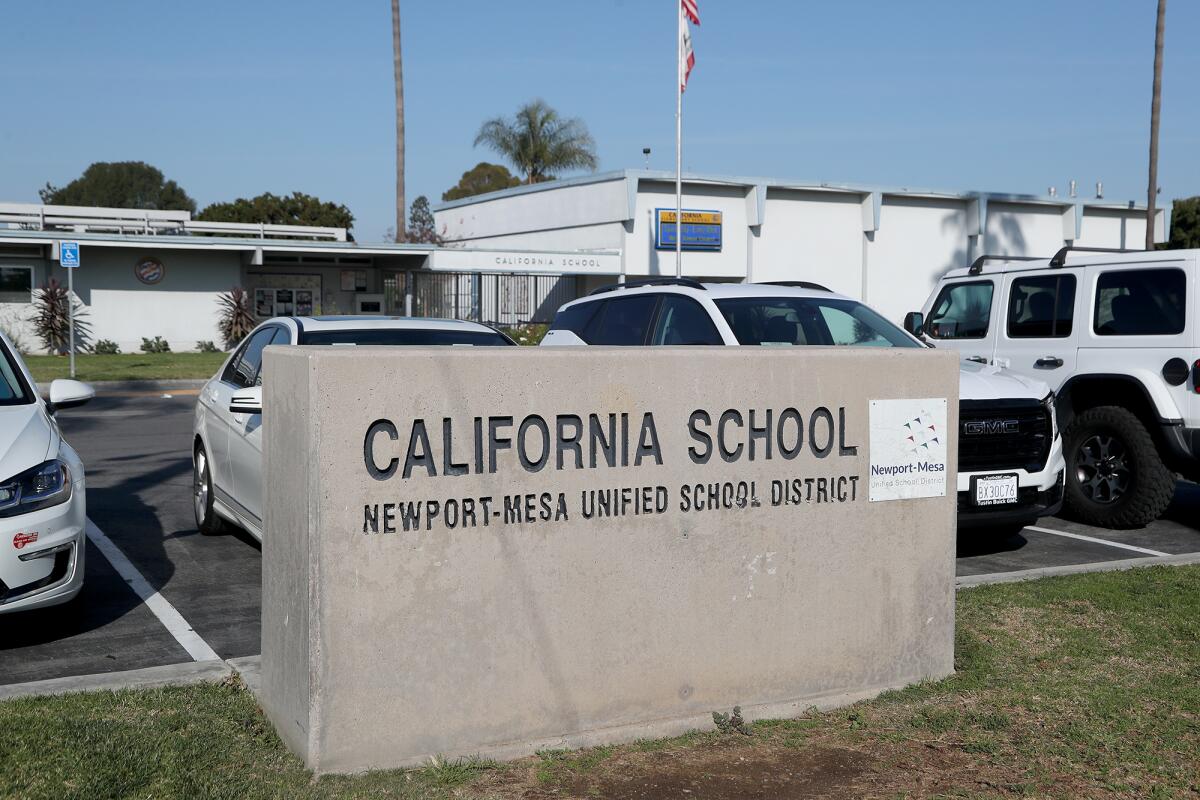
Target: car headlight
x=1048, y=404
x=45, y=485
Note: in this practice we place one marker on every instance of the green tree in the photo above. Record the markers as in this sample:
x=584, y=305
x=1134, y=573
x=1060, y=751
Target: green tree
x=120, y=184
x=298, y=209
x=1185, y=224
x=481, y=179
x=421, y=226
x=538, y=142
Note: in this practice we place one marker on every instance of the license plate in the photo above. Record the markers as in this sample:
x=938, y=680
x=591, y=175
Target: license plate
x=995, y=490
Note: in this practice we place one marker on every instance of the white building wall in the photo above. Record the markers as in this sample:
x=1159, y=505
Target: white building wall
x=181, y=308
x=605, y=236
x=1113, y=228
x=917, y=242
x=564, y=207
x=730, y=262
x=16, y=319
x=811, y=236
x=1026, y=229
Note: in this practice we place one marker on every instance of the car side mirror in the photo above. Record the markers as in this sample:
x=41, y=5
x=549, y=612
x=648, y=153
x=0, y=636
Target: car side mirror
x=246, y=401
x=68, y=394
x=914, y=322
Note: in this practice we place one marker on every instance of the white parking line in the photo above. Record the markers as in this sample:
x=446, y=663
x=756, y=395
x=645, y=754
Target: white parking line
x=171, y=619
x=1108, y=542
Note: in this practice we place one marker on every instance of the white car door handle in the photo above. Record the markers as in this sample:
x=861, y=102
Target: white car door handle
x=1048, y=362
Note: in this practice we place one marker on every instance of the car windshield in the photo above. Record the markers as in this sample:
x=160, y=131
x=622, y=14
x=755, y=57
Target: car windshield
x=406, y=337
x=12, y=385
x=810, y=320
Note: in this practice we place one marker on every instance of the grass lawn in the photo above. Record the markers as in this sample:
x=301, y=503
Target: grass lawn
x=1086, y=686
x=139, y=367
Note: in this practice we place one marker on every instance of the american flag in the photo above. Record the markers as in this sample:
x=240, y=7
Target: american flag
x=692, y=9
x=689, y=58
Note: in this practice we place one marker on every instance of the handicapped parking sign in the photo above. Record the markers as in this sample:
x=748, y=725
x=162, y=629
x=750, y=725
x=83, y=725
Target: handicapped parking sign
x=68, y=255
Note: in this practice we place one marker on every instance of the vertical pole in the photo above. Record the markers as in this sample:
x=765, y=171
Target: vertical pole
x=1155, y=104
x=679, y=141
x=71, y=316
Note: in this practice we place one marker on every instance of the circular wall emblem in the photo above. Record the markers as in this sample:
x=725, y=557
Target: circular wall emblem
x=149, y=270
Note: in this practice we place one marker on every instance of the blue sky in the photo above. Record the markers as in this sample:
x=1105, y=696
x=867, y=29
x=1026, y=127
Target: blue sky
x=236, y=98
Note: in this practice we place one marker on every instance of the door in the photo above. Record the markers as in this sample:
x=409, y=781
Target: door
x=245, y=437
x=215, y=398
x=1038, y=334
x=1138, y=323
x=622, y=321
x=962, y=317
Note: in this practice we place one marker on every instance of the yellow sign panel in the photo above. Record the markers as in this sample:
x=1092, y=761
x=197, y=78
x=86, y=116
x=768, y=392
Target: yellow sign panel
x=692, y=217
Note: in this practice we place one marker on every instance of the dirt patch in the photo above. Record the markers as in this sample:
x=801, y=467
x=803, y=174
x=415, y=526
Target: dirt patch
x=721, y=773
x=777, y=773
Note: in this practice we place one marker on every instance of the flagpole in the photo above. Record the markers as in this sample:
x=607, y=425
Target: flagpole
x=679, y=141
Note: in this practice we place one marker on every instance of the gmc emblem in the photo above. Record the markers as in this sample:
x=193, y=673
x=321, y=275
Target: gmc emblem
x=990, y=427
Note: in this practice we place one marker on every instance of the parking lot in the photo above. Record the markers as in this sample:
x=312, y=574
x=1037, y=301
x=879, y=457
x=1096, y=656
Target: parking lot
x=204, y=590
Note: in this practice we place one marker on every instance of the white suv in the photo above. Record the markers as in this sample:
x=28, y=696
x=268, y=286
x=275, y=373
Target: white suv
x=42, y=512
x=1010, y=454
x=1115, y=334
x=227, y=481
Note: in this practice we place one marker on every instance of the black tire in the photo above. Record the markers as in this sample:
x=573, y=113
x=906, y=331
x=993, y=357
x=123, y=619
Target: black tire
x=1115, y=476
x=202, y=495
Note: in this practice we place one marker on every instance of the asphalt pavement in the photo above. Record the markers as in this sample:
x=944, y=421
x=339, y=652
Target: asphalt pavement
x=136, y=446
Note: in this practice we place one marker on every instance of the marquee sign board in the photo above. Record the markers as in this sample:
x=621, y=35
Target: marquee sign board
x=701, y=229
x=568, y=546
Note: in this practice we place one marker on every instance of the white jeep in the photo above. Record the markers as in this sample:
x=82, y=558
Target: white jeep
x=1009, y=453
x=1115, y=335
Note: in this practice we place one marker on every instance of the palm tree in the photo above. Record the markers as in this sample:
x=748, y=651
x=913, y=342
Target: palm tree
x=399, y=70
x=1155, y=104
x=539, y=143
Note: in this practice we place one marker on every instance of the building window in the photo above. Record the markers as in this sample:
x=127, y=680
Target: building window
x=271, y=302
x=16, y=284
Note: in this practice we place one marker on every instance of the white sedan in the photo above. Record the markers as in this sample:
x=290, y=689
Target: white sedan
x=227, y=431
x=42, y=511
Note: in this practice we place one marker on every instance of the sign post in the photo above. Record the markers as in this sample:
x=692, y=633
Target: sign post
x=68, y=257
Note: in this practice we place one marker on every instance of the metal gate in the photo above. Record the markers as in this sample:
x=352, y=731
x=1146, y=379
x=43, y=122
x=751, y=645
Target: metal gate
x=493, y=298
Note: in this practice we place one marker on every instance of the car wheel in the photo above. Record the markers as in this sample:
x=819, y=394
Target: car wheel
x=1115, y=476
x=202, y=495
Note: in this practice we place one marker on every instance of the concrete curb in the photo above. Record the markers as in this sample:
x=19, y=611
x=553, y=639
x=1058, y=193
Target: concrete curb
x=249, y=668
x=148, y=678
x=969, y=581
x=107, y=387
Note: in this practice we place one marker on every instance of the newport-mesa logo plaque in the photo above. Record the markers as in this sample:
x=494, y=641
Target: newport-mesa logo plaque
x=908, y=449
x=557, y=547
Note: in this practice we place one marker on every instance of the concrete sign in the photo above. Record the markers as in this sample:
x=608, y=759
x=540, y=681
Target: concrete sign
x=482, y=551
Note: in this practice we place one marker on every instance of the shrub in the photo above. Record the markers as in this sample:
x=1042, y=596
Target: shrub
x=207, y=347
x=106, y=347
x=155, y=345
x=235, y=318
x=51, y=319
x=529, y=334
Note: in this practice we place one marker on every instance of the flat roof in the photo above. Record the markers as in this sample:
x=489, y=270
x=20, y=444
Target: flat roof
x=193, y=242
x=779, y=183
